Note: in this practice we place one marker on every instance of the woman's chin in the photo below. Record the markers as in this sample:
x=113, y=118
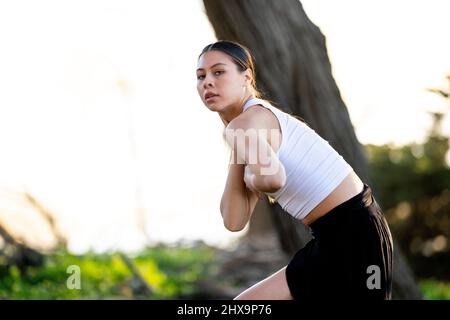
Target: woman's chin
x=213, y=107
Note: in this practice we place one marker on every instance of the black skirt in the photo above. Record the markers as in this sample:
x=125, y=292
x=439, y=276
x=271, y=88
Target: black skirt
x=350, y=256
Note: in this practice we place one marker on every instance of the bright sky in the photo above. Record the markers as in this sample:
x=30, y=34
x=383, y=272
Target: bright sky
x=76, y=75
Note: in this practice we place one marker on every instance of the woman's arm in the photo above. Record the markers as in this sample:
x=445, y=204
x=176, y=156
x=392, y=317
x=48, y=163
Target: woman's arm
x=247, y=136
x=235, y=205
x=262, y=175
x=238, y=202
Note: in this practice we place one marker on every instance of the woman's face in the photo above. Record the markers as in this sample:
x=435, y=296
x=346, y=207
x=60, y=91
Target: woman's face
x=218, y=76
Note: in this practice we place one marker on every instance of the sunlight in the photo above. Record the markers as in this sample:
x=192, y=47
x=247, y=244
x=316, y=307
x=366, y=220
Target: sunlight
x=76, y=76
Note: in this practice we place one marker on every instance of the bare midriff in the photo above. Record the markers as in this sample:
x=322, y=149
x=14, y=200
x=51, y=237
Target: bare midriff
x=347, y=189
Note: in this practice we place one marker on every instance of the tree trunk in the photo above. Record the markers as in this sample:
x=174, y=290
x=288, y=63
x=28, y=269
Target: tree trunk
x=294, y=71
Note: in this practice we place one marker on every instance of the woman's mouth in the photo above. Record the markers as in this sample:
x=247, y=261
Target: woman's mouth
x=212, y=97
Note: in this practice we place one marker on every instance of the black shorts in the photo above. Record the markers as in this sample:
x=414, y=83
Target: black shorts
x=350, y=255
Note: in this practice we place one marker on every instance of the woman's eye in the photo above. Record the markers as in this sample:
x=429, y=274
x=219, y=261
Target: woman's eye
x=215, y=72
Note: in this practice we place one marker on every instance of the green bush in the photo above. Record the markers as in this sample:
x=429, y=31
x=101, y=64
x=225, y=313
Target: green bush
x=435, y=290
x=170, y=271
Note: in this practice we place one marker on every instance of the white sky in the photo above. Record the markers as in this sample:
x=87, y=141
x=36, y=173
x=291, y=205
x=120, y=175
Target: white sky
x=73, y=74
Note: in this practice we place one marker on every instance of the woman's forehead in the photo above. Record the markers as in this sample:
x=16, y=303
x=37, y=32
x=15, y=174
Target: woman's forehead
x=212, y=58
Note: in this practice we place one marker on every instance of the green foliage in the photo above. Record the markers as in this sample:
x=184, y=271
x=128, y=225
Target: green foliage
x=170, y=271
x=412, y=184
x=182, y=266
x=99, y=273
x=405, y=173
x=435, y=290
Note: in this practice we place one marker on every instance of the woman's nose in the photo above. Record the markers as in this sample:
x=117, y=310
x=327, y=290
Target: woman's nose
x=207, y=83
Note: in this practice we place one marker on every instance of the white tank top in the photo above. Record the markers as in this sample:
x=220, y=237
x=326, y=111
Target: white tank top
x=313, y=168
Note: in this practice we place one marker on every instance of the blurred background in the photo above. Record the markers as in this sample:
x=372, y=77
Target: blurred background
x=110, y=161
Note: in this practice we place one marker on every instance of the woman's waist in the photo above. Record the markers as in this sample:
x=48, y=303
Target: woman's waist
x=347, y=189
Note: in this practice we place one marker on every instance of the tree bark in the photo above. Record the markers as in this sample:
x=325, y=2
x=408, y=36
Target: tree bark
x=293, y=70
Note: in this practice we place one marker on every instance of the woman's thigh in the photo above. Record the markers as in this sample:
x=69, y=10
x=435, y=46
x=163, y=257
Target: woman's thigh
x=274, y=287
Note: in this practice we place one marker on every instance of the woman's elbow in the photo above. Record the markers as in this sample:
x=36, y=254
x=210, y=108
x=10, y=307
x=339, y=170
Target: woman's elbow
x=276, y=182
x=279, y=182
x=231, y=224
x=233, y=227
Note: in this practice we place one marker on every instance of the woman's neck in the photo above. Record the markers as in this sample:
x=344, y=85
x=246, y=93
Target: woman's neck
x=233, y=112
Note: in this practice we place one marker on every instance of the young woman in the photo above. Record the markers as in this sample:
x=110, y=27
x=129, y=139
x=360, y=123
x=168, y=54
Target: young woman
x=350, y=255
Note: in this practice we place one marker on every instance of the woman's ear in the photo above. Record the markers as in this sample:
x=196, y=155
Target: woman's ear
x=248, y=76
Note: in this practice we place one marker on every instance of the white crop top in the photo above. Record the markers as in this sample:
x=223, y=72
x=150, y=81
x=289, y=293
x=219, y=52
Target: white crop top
x=313, y=168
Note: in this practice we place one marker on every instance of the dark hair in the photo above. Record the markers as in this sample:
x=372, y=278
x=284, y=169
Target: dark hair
x=240, y=55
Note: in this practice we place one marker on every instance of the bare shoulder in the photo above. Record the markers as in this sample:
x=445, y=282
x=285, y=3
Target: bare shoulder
x=254, y=117
x=258, y=117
